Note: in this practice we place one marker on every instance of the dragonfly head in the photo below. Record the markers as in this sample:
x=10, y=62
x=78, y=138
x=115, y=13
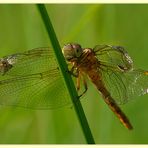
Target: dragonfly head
x=72, y=51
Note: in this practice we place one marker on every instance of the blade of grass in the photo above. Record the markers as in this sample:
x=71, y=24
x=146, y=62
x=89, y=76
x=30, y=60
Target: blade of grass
x=68, y=80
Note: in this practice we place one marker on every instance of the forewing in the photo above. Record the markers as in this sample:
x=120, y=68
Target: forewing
x=114, y=57
x=33, y=81
x=116, y=67
x=30, y=62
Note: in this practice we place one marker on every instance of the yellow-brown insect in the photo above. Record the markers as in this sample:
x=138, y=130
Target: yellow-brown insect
x=110, y=69
x=31, y=78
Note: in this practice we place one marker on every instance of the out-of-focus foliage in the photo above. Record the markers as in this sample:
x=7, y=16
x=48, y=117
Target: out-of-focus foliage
x=21, y=29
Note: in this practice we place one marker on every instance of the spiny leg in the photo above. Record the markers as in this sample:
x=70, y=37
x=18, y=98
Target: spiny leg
x=76, y=73
x=85, y=87
x=78, y=84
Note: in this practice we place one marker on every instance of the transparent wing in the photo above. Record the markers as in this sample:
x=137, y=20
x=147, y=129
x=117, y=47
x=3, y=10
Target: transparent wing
x=30, y=62
x=124, y=86
x=114, y=57
x=32, y=80
x=116, y=67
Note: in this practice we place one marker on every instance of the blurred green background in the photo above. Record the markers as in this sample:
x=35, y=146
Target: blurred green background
x=21, y=29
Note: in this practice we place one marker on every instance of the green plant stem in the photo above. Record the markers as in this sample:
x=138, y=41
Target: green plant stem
x=68, y=80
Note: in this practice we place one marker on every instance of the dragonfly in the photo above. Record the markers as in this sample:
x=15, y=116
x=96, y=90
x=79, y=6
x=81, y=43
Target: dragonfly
x=32, y=79
x=110, y=69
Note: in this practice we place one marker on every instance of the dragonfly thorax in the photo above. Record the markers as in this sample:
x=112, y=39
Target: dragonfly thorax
x=88, y=61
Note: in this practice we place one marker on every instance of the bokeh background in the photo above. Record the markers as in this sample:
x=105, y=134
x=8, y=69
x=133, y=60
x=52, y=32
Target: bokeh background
x=21, y=29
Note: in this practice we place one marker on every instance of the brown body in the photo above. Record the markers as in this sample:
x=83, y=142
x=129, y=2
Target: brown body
x=89, y=64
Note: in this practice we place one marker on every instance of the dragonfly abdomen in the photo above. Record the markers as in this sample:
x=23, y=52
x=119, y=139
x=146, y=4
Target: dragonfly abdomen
x=119, y=113
x=111, y=103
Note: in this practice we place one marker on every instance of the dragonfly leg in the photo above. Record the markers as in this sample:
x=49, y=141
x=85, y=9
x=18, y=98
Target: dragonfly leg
x=78, y=82
x=74, y=72
x=85, y=87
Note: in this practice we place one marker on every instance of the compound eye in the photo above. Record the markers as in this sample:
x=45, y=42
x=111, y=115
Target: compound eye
x=78, y=50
